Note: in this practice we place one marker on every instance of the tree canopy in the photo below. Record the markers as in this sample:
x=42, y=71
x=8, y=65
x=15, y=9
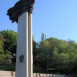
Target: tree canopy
x=50, y=55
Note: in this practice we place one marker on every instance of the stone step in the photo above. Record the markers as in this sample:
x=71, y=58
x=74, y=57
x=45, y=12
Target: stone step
x=7, y=73
x=12, y=74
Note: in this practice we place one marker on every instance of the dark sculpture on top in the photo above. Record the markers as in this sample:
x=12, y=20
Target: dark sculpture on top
x=19, y=8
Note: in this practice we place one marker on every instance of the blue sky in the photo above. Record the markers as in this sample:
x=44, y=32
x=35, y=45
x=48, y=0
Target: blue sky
x=55, y=18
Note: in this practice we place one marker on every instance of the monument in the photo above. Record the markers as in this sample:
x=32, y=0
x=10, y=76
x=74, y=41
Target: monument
x=22, y=14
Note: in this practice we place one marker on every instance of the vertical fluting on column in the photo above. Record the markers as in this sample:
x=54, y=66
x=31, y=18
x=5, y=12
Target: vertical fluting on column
x=22, y=46
x=30, y=53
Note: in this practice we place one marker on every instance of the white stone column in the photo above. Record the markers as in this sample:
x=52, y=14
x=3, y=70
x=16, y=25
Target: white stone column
x=22, y=46
x=30, y=53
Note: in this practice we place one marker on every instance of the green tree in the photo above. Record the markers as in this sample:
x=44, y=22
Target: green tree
x=58, y=55
x=43, y=55
x=1, y=44
x=10, y=42
x=5, y=59
x=35, y=51
x=42, y=37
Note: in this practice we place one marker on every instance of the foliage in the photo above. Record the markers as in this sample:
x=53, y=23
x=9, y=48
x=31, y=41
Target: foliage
x=1, y=44
x=5, y=59
x=49, y=56
x=43, y=37
x=10, y=42
x=57, y=56
x=35, y=51
x=9, y=67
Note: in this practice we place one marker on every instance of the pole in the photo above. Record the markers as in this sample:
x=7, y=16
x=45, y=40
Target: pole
x=22, y=46
x=30, y=54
